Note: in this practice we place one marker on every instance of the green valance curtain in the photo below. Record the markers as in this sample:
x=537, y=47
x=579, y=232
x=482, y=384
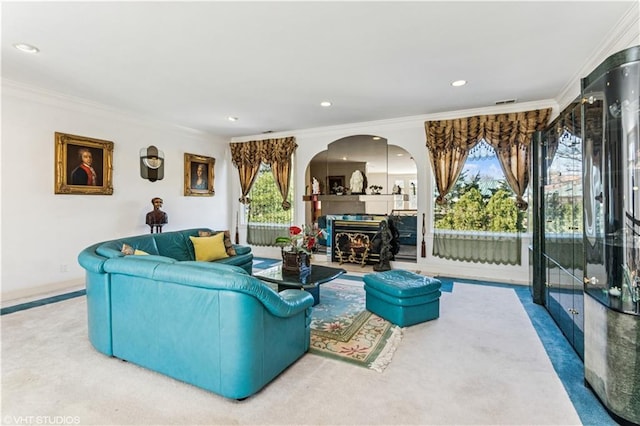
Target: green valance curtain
x=276, y=152
x=449, y=143
x=499, y=248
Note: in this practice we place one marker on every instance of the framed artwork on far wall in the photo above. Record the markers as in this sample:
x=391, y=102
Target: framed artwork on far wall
x=334, y=182
x=83, y=165
x=198, y=175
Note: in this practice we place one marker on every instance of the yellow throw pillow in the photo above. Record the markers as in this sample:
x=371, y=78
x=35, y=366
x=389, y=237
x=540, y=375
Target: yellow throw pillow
x=228, y=245
x=140, y=253
x=209, y=248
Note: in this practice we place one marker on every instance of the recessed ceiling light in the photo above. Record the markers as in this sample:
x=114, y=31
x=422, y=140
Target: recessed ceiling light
x=27, y=48
x=325, y=104
x=400, y=154
x=376, y=138
x=232, y=118
x=459, y=83
x=344, y=158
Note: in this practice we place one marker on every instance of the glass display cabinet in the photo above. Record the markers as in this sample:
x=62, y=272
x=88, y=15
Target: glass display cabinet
x=611, y=176
x=563, y=253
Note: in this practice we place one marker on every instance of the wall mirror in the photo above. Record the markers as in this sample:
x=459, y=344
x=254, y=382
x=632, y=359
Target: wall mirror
x=390, y=169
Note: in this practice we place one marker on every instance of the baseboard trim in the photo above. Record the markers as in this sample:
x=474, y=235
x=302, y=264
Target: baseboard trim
x=41, y=302
x=42, y=291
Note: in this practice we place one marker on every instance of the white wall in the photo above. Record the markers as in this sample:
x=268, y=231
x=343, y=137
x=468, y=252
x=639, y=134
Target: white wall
x=42, y=233
x=409, y=134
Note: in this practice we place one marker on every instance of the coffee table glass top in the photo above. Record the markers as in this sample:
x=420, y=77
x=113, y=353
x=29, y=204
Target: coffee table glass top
x=319, y=274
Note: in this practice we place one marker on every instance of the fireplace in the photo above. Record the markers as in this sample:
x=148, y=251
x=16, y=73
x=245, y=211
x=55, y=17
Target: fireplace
x=353, y=241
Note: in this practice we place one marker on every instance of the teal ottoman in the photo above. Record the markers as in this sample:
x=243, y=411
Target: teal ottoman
x=402, y=297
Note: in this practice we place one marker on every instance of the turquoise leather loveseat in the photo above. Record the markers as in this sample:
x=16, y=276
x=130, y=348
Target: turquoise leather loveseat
x=209, y=324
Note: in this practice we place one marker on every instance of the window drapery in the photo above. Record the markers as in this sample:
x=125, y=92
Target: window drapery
x=510, y=135
x=449, y=143
x=277, y=152
x=266, y=219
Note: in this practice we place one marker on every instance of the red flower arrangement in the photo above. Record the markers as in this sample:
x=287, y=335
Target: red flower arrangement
x=301, y=238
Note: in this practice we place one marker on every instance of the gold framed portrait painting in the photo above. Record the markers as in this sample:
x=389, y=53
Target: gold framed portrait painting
x=198, y=175
x=83, y=165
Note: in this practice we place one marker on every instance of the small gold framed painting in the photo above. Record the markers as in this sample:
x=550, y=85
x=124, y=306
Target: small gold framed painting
x=198, y=175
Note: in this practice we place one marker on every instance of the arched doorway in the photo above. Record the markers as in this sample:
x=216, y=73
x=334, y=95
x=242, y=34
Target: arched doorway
x=389, y=188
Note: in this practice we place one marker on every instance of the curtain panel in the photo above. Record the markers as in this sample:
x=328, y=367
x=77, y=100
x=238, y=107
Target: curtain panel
x=449, y=143
x=276, y=152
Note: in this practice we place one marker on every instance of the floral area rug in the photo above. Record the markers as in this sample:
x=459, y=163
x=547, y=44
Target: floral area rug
x=342, y=329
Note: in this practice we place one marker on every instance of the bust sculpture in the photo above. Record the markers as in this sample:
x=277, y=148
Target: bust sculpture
x=157, y=218
x=356, y=183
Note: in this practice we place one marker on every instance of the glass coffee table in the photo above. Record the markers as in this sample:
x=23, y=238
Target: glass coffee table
x=310, y=283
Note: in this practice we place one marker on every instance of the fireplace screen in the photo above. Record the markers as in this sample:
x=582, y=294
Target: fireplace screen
x=354, y=242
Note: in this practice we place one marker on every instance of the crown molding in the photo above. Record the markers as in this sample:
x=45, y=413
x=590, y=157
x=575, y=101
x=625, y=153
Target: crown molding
x=625, y=33
x=409, y=122
x=73, y=103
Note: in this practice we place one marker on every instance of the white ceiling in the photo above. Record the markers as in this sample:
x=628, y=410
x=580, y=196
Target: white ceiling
x=271, y=63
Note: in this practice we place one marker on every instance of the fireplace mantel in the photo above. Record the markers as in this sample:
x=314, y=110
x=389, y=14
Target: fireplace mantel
x=360, y=197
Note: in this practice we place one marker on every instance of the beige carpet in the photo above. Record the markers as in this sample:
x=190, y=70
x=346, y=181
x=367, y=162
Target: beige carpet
x=481, y=362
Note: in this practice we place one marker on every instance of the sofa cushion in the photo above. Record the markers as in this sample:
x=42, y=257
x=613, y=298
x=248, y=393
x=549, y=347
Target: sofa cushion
x=114, y=248
x=209, y=248
x=228, y=245
x=174, y=245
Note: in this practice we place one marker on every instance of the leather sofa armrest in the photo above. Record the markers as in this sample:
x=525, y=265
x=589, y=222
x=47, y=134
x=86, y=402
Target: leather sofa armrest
x=90, y=260
x=133, y=265
x=299, y=300
x=241, y=249
x=190, y=275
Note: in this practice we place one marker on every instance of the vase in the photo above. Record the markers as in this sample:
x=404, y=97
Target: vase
x=296, y=262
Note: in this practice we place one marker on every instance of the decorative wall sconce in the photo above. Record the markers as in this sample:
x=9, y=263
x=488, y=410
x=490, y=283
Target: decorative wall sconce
x=151, y=163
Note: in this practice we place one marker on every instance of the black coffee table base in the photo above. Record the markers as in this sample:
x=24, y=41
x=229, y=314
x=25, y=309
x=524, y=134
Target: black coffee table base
x=319, y=275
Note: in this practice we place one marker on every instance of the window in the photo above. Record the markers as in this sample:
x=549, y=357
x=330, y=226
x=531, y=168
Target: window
x=266, y=219
x=480, y=221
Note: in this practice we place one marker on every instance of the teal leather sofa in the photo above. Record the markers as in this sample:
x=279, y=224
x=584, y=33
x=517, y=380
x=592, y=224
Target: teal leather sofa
x=175, y=245
x=209, y=324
